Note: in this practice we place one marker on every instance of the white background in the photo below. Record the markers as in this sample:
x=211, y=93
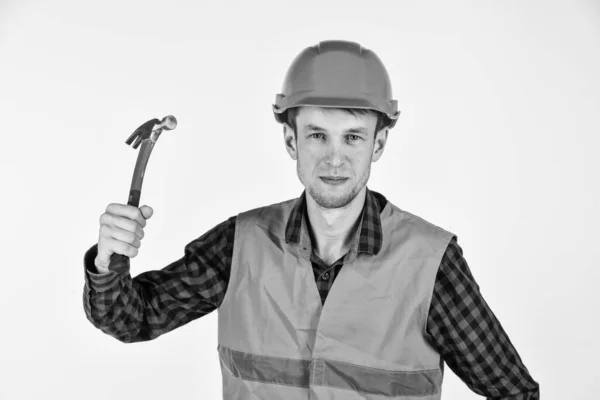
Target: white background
x=497, y=142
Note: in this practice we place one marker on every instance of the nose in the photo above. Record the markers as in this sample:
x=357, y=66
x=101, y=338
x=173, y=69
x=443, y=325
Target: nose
x=335, y=156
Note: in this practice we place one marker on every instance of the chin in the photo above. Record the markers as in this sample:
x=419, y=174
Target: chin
x=328, y=196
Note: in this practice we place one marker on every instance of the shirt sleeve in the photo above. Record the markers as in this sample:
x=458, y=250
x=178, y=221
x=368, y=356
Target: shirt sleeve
x=469, y=337
x=156, y=302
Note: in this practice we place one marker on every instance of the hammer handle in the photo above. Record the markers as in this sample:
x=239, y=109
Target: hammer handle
x=119, y=262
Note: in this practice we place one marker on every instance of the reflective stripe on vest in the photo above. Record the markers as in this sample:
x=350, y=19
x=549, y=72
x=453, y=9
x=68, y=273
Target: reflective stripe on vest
x=278, y=341
x=282, y=371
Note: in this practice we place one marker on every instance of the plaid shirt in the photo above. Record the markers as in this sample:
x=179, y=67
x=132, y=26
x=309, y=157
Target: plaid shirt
x=460, y=325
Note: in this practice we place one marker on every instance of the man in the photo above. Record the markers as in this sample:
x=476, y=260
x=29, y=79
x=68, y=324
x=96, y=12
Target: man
x=404, y=300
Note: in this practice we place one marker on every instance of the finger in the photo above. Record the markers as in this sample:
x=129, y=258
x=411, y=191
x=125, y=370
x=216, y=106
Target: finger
x=127, y=211
x=115, y=221
x=100, y=261
x=125, y=236
x=115, y=246
x=104, y=253
x=147, y=212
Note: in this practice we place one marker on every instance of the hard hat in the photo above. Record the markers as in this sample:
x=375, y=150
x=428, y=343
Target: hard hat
x=337, y=73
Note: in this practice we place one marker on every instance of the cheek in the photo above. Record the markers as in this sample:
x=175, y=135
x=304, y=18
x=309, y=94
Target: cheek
x=309, y=157
x=309, y=165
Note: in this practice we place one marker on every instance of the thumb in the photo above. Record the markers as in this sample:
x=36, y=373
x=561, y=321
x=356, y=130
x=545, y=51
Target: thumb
x=147, y=211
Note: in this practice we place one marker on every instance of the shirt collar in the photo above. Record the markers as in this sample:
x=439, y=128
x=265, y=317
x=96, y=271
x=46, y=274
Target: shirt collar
x=367, y=239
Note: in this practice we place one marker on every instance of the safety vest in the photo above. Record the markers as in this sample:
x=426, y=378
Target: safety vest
x=277, y=341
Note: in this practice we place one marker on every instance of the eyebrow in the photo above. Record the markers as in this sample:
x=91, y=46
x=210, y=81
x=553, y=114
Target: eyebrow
x=312, y=127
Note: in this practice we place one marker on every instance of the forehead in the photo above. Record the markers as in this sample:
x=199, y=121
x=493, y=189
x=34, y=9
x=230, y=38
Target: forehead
x=332, y=119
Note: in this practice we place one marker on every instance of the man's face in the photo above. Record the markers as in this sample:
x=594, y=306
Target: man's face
x=333, y=143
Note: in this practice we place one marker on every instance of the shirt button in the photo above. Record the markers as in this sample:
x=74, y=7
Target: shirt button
x=326, y=275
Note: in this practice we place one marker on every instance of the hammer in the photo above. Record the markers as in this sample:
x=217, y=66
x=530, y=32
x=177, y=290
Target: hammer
x=147, y=134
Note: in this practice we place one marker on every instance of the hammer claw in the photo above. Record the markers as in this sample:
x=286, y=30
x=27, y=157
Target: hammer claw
x=137, y=142
x=133, y=136
x=141, y=133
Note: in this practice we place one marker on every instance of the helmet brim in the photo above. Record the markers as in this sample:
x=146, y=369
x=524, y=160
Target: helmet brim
x=337, y=102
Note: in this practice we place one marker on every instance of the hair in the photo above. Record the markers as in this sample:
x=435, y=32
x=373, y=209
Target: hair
x=383, y=120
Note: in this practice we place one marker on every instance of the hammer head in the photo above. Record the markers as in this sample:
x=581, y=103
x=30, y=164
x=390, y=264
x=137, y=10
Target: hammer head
x=147, y=131
x=169, y=123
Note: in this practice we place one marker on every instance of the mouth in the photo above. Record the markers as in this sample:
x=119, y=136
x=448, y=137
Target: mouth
x=330, y=180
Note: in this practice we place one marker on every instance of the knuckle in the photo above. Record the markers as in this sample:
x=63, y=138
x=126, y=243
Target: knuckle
x=110, y=246
x=124, y=248
x=104, y=230
x=133, y=226
x=123, y=223
x=103, y=218
x=132, y=238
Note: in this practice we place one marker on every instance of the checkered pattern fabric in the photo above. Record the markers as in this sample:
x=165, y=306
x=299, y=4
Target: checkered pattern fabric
x=461, y=325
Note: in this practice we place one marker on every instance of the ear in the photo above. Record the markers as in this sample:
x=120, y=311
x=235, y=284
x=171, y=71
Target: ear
x=379, y=144
x=291, y=144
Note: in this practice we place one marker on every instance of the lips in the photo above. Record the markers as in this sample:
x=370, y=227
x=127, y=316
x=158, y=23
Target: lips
x=333, y=178
x=335, y=181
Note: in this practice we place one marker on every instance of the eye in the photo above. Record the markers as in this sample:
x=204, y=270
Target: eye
x=352, y=138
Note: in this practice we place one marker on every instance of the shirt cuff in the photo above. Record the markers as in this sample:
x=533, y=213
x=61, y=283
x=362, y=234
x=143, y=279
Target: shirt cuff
x=100, y=282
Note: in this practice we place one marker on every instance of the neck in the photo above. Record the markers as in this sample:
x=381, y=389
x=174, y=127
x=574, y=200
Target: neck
x=332, y=228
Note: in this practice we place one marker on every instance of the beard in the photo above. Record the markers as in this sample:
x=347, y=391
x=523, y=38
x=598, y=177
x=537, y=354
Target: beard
x=337, y=198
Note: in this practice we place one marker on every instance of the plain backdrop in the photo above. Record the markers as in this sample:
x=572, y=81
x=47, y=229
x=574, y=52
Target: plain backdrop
x=497, y=142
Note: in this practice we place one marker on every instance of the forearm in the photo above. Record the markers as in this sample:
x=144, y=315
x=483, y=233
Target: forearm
x=111, y=304
x=533, y=394
x=138, y=309
x=470, y=338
